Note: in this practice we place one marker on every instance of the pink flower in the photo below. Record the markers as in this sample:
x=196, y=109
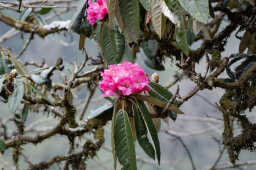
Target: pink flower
x=124, y=79
x=96, y=10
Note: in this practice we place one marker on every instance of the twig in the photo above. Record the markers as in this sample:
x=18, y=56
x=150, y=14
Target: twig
x=86, y=104
x=170, y=102
x=247, y=163
x=92, y=71
x=2, y=5
x=30, y=38
x=218, y=159
x=11, y=33
x=185, y=147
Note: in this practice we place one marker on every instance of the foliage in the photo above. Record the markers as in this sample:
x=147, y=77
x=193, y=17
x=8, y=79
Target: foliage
x=159, y=29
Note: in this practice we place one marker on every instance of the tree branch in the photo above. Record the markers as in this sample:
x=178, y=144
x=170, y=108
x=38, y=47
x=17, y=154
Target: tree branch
x=42, y=31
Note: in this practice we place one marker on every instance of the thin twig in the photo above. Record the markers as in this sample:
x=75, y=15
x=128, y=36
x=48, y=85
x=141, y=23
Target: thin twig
x=86, y=104
x=30, y=38
x=9, y=34
x=185, y=147
x=247, y=163
x=170, y=102
x=218, y=159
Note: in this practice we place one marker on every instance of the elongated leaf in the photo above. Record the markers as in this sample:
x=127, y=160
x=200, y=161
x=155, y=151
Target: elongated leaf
x=181, y=34
x=161, y=93
x=158, y=19
x=190, y=36
x=1, y=83
x=44, y=11
x=100, y=110
x=199, y=9
x=2, y=146
x=169, y=14
x=158, y=91
x=112, y=44
x=152, y=130
x=129, y=19
x=150, y=48
x=5, y=65
x=159, y=103
x=141, y=133
x=115, y=111
x=79, y=23
x=124, y=145
x=181, y=39
x=25, y=14
x=111, y=9
x=145, y=4
x=14, y=101
x=25, y=111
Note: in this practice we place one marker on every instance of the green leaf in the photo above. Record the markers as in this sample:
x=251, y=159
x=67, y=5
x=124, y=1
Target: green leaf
x=5, y=64
x=158, y=19
x=169, y=14
x=112, y=44
x=14, y=100
x=150, y=48
x=100, y=110
x=2, y=146
x=2, y=79
x=158, y=91
x=173, y=5
x=190, y=36
x=156, y=102
x=124, y=144
x=171, y=115
x=79, y=23
x=161, y=93
x=181, y=36
x=25, y=111
x=115, y=111
x=128, y=17
x=44, y=11
x=141, y=133
x=145, y=4
x=25, y=14
x=199, y=9
x=152, y=130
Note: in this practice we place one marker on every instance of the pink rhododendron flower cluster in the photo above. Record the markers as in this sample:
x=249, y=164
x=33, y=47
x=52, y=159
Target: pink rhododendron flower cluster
x=96, y=10
x=124, y=79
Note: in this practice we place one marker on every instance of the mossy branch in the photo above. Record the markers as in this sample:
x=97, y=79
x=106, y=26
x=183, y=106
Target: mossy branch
x=42, y=31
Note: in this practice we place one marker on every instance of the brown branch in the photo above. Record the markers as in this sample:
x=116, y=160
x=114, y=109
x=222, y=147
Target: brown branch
x=89, y=150
x=239, y=83
x=86, y=104
x=24, y=26
x=247, y=163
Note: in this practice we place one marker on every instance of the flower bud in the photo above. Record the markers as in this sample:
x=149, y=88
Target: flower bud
x=155, y=78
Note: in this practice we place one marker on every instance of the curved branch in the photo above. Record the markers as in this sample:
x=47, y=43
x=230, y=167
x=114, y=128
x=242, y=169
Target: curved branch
x=42, y=31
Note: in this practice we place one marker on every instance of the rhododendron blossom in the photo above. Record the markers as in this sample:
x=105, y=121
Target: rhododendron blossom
x=124, y=79
x=96, y=10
